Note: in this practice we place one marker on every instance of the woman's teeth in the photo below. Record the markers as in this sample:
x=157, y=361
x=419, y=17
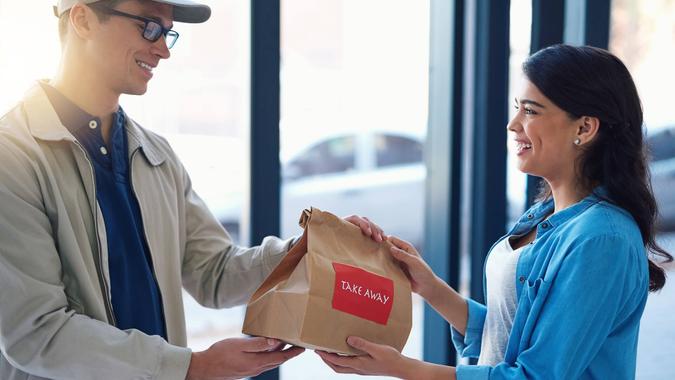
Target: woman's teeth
x=522, y=146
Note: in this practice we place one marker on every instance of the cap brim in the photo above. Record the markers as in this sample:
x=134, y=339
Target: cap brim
x=188, y=11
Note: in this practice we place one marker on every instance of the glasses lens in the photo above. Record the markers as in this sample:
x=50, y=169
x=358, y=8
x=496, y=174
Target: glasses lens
x=171, y=38
x=152, y=31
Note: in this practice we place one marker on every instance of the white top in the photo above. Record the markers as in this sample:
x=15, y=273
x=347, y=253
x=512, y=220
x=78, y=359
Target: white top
x=502, y=302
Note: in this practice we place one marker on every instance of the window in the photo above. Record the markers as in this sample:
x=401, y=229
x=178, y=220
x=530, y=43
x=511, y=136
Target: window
x=30, y=47
x=642, y=34
x=662, y=145
x=199, y=100
x=521, y=28
x=397, y=150
x=362, y=70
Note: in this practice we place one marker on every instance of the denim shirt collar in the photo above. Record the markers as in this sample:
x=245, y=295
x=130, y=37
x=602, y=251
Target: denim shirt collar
x=537, y=214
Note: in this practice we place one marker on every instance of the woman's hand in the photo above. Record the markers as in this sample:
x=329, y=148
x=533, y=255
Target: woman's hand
x=367, y=227
x=450, y=304
x=379, y=360
x=384, y=361
x=423, y=281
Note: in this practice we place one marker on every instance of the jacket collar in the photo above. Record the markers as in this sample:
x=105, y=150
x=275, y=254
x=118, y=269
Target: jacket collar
x=44, y=124
x=138, y=139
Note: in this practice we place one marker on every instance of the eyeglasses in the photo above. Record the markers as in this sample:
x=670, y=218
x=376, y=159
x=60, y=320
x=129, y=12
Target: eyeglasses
x=152, y=29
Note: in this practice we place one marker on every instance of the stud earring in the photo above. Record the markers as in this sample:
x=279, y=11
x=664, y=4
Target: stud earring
x=577, y=141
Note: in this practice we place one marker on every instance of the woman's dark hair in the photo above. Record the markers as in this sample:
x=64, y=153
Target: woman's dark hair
x=587, y=81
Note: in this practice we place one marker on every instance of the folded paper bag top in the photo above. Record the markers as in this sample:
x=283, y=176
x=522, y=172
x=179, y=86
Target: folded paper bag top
x=335, y=282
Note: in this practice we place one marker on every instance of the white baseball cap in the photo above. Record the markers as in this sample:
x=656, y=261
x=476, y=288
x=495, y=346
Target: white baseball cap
x=183, y=10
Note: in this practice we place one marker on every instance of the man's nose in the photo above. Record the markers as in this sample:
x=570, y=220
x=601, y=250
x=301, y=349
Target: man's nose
x=161, y=49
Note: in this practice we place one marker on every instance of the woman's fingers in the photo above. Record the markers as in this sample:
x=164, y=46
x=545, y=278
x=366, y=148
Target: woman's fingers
x=338, y=368
x=402, y=244
x=339, y=360
x=377, y=229
x=403, y=256
x=367, y=227
x=373, y=349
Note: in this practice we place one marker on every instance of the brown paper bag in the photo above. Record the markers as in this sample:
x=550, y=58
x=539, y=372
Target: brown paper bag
x=334, y=282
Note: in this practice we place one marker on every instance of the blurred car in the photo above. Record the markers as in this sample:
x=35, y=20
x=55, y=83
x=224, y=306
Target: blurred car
x=379, y=174
x=662, y=166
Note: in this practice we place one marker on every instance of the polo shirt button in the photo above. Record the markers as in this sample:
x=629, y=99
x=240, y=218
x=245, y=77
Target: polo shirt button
x=521, y=279
x=104, y=151
x=93, y=124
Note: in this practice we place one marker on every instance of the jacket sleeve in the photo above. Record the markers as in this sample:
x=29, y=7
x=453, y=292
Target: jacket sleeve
x=216, y=272
x=39, y=333
x=574, y=313
x=468, y=345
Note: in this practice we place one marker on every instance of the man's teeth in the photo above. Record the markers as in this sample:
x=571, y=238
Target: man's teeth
x=144, y=65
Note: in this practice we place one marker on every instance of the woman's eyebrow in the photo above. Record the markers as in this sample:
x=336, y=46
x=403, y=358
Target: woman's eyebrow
x=529, y=101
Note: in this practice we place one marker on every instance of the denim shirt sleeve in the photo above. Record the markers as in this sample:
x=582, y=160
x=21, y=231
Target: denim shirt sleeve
x=468, y=345
x=572, y=314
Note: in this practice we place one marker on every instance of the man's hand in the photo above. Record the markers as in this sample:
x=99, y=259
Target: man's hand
x=367, y=227
x=237, y=358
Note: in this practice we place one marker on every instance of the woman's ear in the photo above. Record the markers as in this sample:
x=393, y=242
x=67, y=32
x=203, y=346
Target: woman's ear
x=588, y=129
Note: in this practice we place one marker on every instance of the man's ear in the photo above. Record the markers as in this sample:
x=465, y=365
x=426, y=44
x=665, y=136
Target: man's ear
x=83, y=21
x=588, y=129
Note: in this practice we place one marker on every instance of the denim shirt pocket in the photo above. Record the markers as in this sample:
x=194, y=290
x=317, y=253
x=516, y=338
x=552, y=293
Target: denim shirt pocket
x=532, y=299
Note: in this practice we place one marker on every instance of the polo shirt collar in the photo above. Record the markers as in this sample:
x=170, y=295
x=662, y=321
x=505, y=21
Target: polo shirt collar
x=45, y=124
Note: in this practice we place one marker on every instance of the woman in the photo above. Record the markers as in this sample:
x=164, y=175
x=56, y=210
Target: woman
x=566, y=287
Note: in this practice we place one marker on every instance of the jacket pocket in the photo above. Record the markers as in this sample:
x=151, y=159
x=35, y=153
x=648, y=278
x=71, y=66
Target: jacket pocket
x=74, y=305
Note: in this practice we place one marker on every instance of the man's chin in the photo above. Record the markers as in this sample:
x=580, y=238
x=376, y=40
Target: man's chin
x=137, y=90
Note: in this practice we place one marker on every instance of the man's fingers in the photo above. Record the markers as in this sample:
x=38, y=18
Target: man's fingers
x=259, y=344
x=278, y=347
x=278, y=357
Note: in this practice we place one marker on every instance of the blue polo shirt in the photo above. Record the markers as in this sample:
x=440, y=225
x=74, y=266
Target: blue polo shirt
x=136, y=300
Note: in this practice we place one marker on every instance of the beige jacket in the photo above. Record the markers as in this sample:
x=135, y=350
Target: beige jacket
x=56, y=318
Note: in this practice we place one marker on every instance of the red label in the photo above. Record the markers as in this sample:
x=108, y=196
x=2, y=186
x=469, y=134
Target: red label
x=362, y=293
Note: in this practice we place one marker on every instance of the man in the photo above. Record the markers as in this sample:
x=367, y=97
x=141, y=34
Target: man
x=99, y=226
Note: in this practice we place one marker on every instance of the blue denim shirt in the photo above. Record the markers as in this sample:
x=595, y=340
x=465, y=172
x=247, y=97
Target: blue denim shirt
x=582, y=285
